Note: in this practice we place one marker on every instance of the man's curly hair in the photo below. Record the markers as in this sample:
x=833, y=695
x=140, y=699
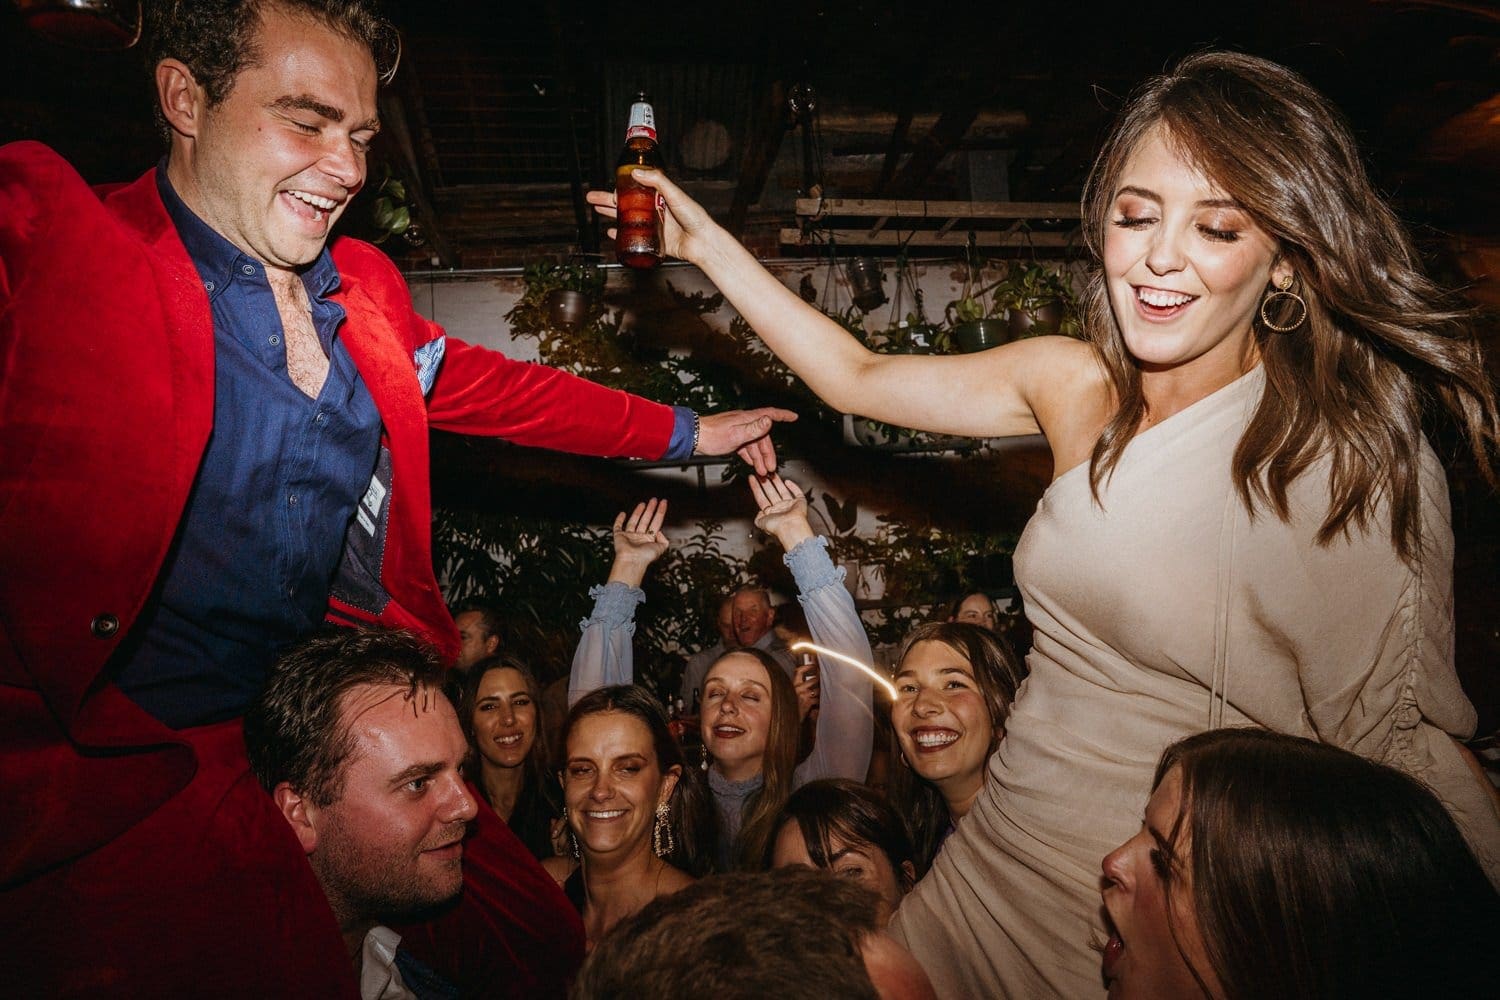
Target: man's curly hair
x=215, y=39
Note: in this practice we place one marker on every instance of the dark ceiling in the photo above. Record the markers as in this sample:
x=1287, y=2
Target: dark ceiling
x=510, y=109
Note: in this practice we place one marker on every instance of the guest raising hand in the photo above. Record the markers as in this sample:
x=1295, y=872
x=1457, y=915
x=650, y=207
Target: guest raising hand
x=748, y=718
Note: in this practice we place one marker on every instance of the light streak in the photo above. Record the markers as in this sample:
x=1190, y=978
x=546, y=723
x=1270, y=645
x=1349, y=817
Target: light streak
x=875, y=675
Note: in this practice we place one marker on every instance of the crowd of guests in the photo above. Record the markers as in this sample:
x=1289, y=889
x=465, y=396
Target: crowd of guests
x=1231, y=765
x=1265, y=865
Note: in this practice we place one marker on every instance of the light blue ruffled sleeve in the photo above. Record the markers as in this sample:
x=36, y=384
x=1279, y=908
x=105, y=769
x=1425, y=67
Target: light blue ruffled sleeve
x=604, y=656
x=846, y=719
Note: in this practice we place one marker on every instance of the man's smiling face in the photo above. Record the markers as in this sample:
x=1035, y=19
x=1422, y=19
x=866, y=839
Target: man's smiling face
x=274, y=165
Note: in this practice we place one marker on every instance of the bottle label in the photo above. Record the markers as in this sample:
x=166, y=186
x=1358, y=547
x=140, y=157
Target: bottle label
x=642, y=122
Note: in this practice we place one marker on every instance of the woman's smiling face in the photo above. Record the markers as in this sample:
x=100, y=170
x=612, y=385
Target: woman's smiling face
x=942, y=719
x=1185, y=265
x=612, y=783
x=736, y=714
x=504, y=719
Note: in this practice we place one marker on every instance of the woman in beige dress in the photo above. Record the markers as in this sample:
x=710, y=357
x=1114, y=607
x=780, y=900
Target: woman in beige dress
x=1246, y=526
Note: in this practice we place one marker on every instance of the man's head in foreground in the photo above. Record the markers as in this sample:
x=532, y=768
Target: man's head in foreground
x=361, y=751
x=793, y=934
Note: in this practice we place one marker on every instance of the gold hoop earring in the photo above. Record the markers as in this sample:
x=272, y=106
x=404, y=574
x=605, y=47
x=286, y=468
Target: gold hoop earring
x=662, y=842
x=1283, y=290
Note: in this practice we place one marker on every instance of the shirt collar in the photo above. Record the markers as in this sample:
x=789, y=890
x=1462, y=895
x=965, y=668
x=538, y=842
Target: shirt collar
x=217, y=260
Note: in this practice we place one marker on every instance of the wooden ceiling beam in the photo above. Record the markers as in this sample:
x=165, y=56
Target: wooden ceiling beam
x=945, y=134
x=393, y=116
x=894, y=148
x=761, y=147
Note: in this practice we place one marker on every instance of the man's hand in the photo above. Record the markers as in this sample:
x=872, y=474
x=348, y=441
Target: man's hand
x=745, y=431
x=783, y=510
x=639, y=541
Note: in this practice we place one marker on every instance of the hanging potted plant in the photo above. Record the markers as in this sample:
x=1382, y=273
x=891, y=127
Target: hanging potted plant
x=866, y=282
x=1037, y=299
x=976, y=320
x=567, y=293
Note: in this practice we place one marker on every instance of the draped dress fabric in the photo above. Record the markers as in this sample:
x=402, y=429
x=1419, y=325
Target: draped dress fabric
x=1163, y=610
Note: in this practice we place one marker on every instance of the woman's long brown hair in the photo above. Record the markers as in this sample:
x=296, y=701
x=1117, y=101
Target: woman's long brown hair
x=1380, y=341
x=763, y=810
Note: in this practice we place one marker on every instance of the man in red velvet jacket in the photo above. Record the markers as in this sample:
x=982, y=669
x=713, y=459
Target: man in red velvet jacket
x=213, y=433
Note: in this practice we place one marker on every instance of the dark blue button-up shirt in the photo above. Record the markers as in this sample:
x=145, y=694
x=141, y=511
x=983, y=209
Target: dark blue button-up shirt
x=260, y=540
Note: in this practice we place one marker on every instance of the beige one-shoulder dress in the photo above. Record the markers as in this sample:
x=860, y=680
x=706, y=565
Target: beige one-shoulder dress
x=1162, y=611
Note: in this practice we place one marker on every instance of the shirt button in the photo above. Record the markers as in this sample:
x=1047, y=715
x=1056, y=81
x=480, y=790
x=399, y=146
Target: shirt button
x=104, y=626
x=321, y=418
x=248, y=268
x=273, y=340
x=208, y=286
x=292, y=499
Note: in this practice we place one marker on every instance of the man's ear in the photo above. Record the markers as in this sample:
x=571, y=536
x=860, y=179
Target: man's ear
x=183, y=102
x=299, y=813
x=491, y=645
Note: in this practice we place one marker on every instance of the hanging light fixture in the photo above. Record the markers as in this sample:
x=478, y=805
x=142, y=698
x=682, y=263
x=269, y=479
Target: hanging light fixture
x=85, y=24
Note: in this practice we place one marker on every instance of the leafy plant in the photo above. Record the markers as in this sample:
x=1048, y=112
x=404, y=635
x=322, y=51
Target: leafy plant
x=389, y=212
x=921, y=563
x=1031, y=287
x=538, y=573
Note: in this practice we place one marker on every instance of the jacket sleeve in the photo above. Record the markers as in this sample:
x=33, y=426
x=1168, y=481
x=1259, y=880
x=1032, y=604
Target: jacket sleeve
x=480, y=391
x=604, y=656
x=846, y=719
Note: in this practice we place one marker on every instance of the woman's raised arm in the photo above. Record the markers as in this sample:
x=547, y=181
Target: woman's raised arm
x=997, y=393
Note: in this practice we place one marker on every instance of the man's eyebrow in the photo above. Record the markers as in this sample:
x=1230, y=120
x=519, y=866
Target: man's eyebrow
x=414, y=772
x=307, y=102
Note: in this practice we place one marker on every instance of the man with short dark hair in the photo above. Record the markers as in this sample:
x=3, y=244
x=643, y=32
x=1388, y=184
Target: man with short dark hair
x=793, y=934
x=221, y=417
x=479, y=628
x=361, y=752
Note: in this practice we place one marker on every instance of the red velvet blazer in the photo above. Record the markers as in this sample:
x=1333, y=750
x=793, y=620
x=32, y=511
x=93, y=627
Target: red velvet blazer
x=106, y=403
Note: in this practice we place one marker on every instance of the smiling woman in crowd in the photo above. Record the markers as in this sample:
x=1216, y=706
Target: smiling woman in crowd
x=955, y=684
x=636, y=815
x=1246, y=524
x=1273, y=866
x=748, y=717
x=500, y=708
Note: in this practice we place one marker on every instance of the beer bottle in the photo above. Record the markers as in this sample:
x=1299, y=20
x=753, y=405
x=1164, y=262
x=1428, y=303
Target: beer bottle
x=638, y=236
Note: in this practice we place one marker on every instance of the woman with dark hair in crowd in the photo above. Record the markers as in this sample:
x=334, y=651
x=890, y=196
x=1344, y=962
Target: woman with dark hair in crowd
x=955, y=684
x=748, y=715
x=850, y=830
x=500, y=708
x=636, y=815
x=973, y=608
x=1246, y=523
x=1273, y=866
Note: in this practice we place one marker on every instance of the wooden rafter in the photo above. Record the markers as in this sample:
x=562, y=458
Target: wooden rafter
x=393, y=115
x=762, y=145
